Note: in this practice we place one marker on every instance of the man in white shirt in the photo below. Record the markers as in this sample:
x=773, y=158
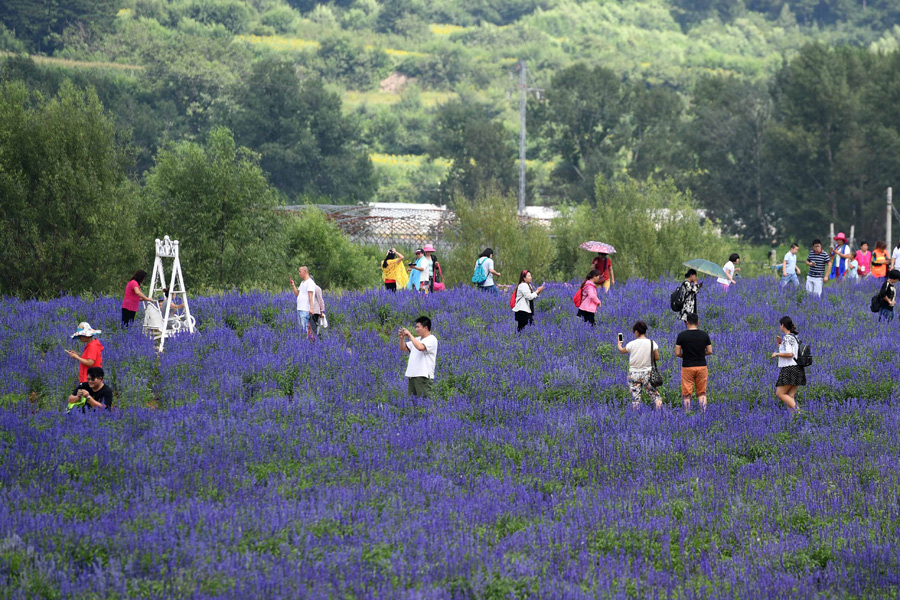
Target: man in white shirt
x=487, y=265
x=305, y=298
x=422, y=354
x=789, y=268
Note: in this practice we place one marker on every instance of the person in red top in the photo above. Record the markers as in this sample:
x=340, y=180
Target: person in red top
x=603, y=264
x=92, y=356
x=133, y=296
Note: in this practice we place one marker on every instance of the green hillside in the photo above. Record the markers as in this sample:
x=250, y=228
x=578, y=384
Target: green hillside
x=766, y=110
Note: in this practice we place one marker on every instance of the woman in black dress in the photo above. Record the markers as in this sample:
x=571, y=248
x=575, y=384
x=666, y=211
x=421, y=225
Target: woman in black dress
x=791, y=375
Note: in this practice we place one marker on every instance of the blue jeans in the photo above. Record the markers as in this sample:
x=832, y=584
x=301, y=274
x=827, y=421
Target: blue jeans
x=489, y=288
x=790, y=278
x=303, y=318
x=886, y=314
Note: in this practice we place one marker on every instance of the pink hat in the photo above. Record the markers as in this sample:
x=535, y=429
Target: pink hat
x=840, y=236
x=429, y=248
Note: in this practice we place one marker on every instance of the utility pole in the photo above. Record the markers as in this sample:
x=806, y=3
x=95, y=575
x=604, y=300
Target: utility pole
x=890, y=207
x=523, y=89
x=523, y=95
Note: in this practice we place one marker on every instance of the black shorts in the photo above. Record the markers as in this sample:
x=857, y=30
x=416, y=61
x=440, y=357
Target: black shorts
x=587, y=316
x=392, y=286
x=128, y=317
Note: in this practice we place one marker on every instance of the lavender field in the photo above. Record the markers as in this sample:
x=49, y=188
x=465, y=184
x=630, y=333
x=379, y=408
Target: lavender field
x=247, y=463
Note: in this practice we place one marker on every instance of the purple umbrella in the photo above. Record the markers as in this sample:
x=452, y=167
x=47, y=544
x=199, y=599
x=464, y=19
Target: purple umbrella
x=598, y=247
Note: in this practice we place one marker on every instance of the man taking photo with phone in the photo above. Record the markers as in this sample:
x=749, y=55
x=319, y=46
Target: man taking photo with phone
x=422, y=356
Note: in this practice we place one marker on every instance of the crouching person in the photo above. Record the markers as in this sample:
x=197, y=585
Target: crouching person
x=93, y=393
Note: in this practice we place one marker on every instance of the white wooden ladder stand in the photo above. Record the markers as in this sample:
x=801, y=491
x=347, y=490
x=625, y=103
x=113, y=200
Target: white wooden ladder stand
x=159, y=321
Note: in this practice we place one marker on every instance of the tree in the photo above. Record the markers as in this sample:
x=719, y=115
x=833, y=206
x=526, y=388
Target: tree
x=492, y=221
x=351, y=63
x=308, y=146
x=645, y=221
x=216, y=199
x=40, y=22
x=478, y=146
x=333, y=260
x=816, y=144
x=584, y=108
x=653, y=131
x=68, y=215
x=726, y=136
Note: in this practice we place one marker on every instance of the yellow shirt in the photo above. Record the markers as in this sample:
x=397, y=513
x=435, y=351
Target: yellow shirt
x=395, y=270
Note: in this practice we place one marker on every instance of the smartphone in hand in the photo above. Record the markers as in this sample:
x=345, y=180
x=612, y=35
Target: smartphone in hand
x=620, y=337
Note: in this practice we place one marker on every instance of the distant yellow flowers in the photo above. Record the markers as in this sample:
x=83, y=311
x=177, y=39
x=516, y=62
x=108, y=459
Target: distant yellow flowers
x=442, y=29
x=408, y=161
x=279, y=42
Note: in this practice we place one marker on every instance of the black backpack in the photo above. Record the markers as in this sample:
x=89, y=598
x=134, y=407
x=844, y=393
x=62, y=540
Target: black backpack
x=804, y=354
x=875, y=304
x=676, y=300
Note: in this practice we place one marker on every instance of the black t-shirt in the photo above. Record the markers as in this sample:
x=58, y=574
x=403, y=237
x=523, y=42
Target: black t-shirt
x=104, y=395
x=693, y=344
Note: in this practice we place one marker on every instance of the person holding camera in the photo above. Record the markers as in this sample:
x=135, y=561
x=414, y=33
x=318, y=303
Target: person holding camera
x=92, y=356
x=93, y=393
x=523, y=301
x=393, y=272
x=422, y=350
x=643, y=352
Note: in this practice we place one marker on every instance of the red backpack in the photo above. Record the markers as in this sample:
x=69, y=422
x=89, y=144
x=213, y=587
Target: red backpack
x=579, y=296
x=512, y=299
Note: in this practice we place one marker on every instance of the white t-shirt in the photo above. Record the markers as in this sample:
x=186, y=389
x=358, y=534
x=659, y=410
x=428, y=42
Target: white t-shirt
x=791, y=267
x=421, y=364
x=423, y=274
x=639, y=354
x=428, y=265
x=729, y=269
x=895, y=255
x=487, y=265
x=788, y=344
x=303, y=296
x=839, y=261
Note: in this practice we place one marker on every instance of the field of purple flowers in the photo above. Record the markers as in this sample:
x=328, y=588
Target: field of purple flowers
x=248, y=463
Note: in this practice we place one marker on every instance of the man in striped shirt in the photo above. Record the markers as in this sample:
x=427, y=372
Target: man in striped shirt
x=817, y=260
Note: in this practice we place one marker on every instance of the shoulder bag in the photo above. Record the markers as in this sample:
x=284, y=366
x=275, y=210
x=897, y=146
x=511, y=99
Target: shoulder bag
x=656, y=378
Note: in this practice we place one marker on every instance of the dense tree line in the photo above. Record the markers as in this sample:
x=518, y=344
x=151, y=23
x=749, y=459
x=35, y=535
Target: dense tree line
x=767, y=151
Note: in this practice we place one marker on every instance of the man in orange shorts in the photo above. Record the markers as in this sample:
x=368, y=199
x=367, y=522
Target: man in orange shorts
x=693, y=346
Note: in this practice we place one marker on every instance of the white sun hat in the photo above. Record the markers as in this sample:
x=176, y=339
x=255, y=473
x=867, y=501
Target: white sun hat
x=85, y=329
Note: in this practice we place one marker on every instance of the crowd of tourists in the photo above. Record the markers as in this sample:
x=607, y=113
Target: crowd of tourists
x=423, y=274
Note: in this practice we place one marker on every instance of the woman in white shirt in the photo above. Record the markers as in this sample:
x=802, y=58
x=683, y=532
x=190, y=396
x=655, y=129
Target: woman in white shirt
x=525, y=294
x=639, y=365
x=791, y=375
x=730, y=267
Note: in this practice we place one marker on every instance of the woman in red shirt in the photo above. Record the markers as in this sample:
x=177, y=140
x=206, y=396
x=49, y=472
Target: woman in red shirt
x=133, y=296
x=92, y=356
x=603, y=264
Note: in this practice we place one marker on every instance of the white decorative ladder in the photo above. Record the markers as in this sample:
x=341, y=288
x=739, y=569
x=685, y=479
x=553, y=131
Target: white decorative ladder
x=157, y=320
